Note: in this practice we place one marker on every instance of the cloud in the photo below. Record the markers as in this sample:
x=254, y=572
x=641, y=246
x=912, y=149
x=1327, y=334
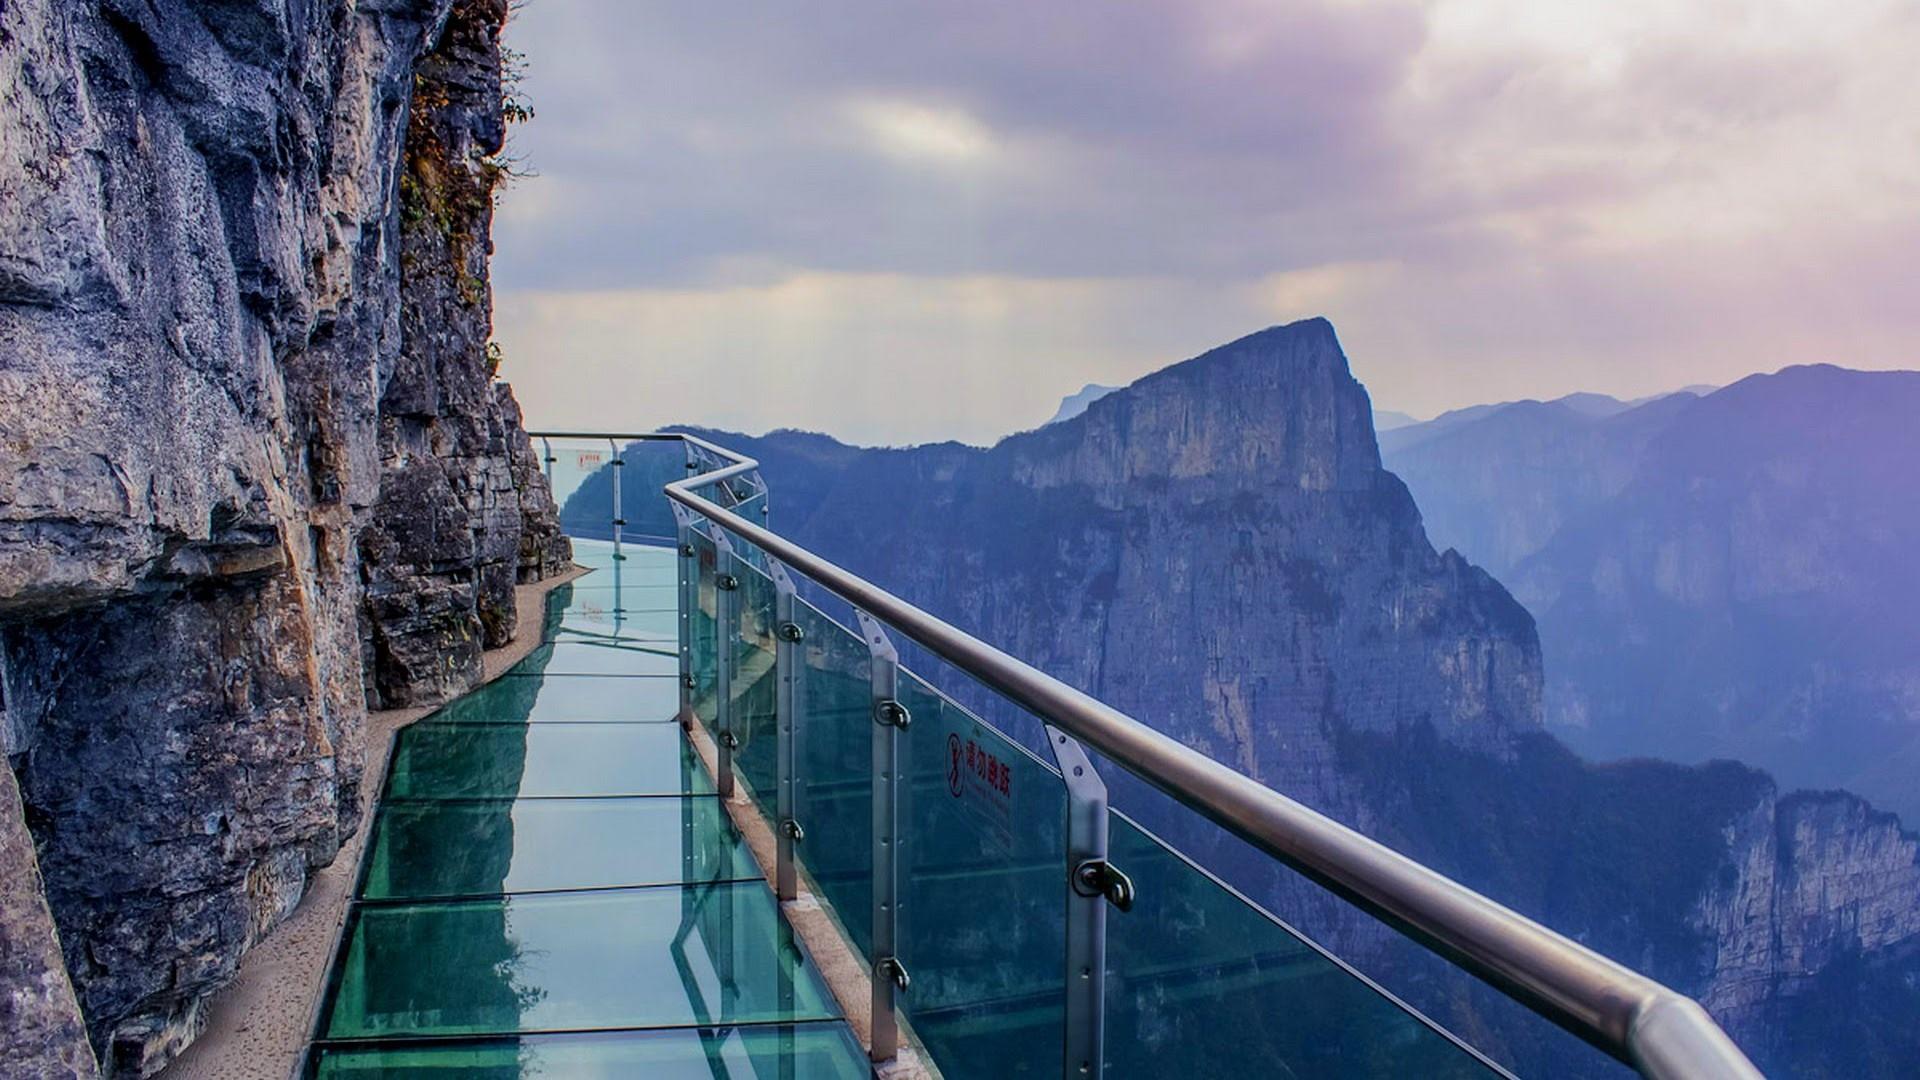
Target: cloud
x=1487, y=195
x=878, y=358
x=919, y=132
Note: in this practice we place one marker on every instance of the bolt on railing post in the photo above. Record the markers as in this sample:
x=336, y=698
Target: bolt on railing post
x=618, y=521
x=789, y=667
x=1086, y=957
x=689, y=582
x=889, y=719
x=726, y=584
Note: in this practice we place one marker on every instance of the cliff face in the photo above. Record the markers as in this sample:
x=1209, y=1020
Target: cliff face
x=1217, y=551
x=201, y=320
x=437, y=596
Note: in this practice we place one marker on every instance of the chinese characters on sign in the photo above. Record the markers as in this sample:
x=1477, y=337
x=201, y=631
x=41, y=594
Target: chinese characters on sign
x=983, y=783
x=986, y=767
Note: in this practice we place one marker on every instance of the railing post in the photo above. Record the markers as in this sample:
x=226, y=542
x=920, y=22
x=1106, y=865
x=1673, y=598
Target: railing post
x=890, y=718
x=546, y=458
x=726, y=585
x=1084, y=1035
x=618, y=521
x=689, y=583
x=789, y=667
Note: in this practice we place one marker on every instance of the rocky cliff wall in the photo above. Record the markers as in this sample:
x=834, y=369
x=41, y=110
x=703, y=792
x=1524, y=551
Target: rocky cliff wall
x=437, y=596
x=202, y=320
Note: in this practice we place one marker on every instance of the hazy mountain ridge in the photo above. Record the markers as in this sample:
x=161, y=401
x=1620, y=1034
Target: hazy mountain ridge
x=1217, y=551
x=1718, y=576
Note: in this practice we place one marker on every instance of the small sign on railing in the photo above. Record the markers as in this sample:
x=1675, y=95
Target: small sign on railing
x=983, y=784
x=590, y=459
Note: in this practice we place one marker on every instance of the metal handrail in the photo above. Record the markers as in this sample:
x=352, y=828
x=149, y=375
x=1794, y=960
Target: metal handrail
x=1659, y=1032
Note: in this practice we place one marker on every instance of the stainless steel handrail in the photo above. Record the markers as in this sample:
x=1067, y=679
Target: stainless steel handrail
x=1659, y=1032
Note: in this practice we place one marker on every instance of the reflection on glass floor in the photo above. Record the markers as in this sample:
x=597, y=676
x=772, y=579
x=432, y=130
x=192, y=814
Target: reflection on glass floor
x=491, y=846
x=523, y=699
x=813, y=1051
x=492, y=761
x=677, y=956
x=551, y=888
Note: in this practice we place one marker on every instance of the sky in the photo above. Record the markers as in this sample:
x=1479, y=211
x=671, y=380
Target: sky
x=906, y=222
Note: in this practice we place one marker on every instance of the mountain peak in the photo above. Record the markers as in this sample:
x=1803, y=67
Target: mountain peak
x=1277, y=406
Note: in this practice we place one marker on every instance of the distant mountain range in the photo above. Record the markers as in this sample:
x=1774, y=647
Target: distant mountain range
x=1731, y=575
x=1217, y=550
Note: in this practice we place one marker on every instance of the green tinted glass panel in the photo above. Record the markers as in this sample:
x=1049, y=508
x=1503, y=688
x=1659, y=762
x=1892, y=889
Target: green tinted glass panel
x=588, y=619
x=486, y=846
x=581, y=476
x=531, y=699
x=983, y=887
x=583, y=485
x=833, y=795
x=755, y=685
x=1193, y=960
x=637, y=558
x=679, y=955
x=639, y=565
x=701, y=628
x=655, y=592
x=815, y=1051
x=445, y=761
x=585, y=657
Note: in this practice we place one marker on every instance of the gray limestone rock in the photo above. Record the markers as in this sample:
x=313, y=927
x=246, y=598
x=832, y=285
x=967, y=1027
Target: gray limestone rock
x=242, y=437
x=44, y=1035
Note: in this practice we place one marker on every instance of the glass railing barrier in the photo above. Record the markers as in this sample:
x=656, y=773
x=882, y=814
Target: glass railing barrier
x=1202, y=982
x=983, y=871
x=608, y=488
x=981, y=895
x=965, y=870
x=703, y=647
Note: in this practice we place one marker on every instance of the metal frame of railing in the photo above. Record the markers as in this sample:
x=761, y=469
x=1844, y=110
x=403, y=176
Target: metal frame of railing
x=1657, y=1031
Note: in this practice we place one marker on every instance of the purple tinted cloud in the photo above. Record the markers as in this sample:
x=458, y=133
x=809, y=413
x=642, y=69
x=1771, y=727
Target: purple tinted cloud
x=1493, y=199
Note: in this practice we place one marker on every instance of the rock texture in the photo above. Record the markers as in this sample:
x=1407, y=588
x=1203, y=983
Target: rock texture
x=44, y=1033
x=1217, y=551
x=439, y=594
x=201, y=316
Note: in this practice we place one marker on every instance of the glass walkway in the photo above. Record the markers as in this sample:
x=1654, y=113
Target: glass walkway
x=553, y=888
x=554, y=885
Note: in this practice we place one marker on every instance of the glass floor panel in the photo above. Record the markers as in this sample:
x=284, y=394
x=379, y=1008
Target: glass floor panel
x=576, y=657
x=520, y=699
x=465, y=761
x=814, y=1051
x=671, y=956
x=485, y=847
